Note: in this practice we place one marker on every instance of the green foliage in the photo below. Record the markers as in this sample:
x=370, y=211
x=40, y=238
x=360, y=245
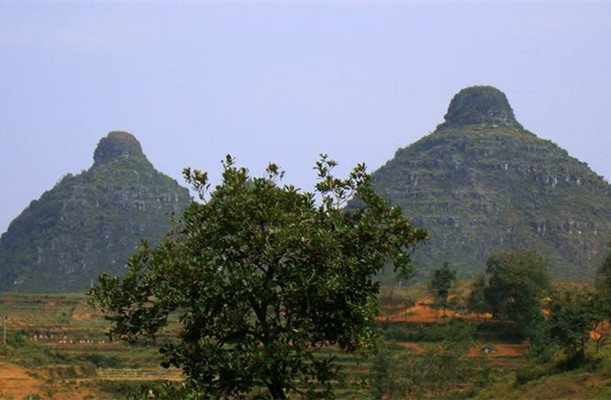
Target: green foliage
x=440, y=284
x=381, y=375
x=455, y=329
x=512, y=289
x=517, y=280
x=260, y=277
x=532, y=372
x=499, y=332
x=603, y=284
x=434, y=373
x=32, y=397
x=552, y=380
x=573, y=315
x=101, y=360
x=135, y=390
x=476, y=302
x=22, y=351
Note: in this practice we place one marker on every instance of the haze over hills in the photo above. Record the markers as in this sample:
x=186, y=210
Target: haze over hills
x=90, y=222
x=481, y=183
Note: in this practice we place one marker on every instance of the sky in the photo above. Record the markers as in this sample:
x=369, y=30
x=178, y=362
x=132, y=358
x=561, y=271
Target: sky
x=282, y=81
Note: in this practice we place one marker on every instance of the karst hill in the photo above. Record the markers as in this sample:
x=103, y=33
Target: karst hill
x=91, y=222
x=481, y=183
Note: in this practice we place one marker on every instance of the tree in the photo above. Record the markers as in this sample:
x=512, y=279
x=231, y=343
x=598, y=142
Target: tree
x=440, y=284
x=603, y=284
x=476, y=302
x=381, y=375
x=435, y=372
x=574, y=315
x=260, y=277
x=517, y=280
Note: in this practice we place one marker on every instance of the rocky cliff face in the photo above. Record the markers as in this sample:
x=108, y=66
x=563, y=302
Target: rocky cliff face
x=480, y=105
x=482, y=183
x=91, y=222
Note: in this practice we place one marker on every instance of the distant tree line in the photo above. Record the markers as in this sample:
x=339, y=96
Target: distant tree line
x=515, y=289
x=512, y=289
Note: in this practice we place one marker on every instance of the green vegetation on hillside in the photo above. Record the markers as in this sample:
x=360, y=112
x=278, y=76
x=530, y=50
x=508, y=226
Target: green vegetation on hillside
x=91, y=222
x=481, y=186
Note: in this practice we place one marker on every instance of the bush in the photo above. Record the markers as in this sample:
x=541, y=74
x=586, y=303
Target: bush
x=455, y=330
x=439, y=372
x=533, y=372
x=499, y=332
x=102, y=361
x=391, y=296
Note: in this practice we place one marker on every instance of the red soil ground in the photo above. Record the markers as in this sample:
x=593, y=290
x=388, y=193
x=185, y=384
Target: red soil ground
x=423, y=312
x=16, y=383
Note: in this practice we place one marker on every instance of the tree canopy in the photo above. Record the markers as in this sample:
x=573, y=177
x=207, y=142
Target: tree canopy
x=574, y=315
x=517, y=280
x=440, y=284
x=260, y=277
x=603, y=284
x=476, y=302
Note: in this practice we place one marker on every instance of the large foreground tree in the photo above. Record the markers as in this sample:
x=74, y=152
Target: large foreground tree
x=260, y=277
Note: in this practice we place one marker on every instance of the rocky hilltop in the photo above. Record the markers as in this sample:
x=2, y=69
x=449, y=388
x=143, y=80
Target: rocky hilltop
x=91, y=222
x=481, y=183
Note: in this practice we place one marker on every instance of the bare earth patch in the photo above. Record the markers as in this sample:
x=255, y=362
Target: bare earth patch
x=16, y=383
x=500, y=350
x=81, y=317
x=423, y=312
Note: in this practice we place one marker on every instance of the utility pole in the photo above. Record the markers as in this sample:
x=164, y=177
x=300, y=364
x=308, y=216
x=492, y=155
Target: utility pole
x=4, y=320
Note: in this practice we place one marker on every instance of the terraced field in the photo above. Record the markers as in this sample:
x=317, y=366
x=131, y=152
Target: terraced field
x=57, y=349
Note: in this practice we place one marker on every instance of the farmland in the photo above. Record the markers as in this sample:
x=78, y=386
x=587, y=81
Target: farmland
x=57, y=349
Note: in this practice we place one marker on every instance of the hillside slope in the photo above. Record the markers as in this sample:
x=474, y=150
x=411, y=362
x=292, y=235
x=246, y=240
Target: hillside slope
x=91, y=222
x=481, y=183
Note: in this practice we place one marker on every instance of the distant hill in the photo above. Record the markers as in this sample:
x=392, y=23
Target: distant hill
x=90, y=222
x=481, y=183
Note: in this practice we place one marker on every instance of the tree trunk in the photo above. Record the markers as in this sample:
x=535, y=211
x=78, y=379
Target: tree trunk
x=275, y=389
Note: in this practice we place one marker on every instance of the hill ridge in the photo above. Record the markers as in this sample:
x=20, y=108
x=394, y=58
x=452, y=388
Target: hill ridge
x=481, y=183
x=90, y=222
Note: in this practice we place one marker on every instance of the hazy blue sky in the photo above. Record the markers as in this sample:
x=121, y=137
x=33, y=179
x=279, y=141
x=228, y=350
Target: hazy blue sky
x=285, y=81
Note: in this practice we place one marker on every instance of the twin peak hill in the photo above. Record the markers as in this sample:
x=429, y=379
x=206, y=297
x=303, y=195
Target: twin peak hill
x=91, y=222
x=481, y=183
